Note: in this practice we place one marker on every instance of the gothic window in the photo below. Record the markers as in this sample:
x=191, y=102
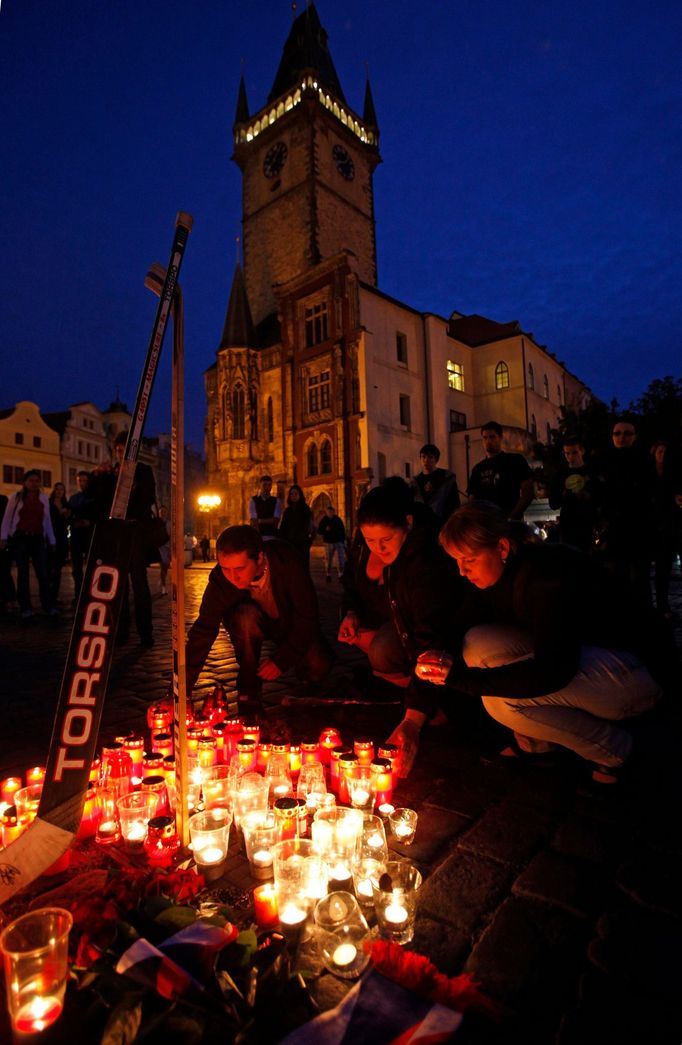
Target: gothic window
x=226, y=412
x=404, y=405
x=238, y=413
x=271, y=421
x=401, y=347
x=326, y=457
x=533, y=426
x=253, y=404
x=319, y=392
x=455, y=375
x=315, y=323
x=311, y=460
x=531, y=377
x=545, y=387
x=381, y=466
x=501, y=376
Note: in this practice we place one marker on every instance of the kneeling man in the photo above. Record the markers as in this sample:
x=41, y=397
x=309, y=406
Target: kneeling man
x=259, y=590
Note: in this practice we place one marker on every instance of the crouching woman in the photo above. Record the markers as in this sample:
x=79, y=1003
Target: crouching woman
x=552, y=648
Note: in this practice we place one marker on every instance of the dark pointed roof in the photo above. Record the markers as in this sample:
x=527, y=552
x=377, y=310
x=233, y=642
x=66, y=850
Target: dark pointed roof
x=57, y=421
x=117, y=406
x=242, y=113
x=479, y=330
x=369, y=112
x=238, y=331
x=305, y=49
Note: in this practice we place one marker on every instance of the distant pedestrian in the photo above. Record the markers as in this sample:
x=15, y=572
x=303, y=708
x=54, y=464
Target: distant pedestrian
x=333, y=533
x=574, y=490
x=8, y=592
x=296, y=525
x=59, y=514
x=265, y=509
x=435, y=487
x=27, y=527
x=205, y=546
x=502, y=478
x=82, y=511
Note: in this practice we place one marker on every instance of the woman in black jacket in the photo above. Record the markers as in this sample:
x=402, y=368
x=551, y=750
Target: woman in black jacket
x=296, y=525
x=556, y=653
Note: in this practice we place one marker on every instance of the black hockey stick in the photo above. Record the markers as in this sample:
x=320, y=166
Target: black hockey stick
x=91, y=647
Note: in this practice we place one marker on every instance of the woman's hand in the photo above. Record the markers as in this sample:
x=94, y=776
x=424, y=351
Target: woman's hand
x=348, y=629
x=434, y=666
x=406, y=737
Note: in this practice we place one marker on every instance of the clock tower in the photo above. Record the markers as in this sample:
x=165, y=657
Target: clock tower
x=307, y=162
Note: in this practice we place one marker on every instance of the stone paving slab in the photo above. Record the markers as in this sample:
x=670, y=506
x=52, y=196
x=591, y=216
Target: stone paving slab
x=463, y=889
x=435, y=829
x=563, y=882
x=508, y=833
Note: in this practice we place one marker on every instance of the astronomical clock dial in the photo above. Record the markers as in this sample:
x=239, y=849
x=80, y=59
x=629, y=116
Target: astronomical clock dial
x=275, y=158
x=344, y=163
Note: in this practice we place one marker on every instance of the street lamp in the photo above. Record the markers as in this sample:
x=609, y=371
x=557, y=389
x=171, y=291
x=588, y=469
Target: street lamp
x=208, y=503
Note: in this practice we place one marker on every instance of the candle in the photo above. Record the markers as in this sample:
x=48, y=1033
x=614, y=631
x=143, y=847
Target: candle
x=36, y=775
x=360, y=797
x=262, y=858
x=348, y=763
x=382, y=780
x=11, y=826
x=364, y=888
x=402, y=830
x=292, y=915
x=344, y=954
x=107, y=831
x=263, y=757
x=91, y=815
x=364, y=749
x=310, y=752
x=281, y=790
x=252, y=733
x=295, y=759
x=265, y=906
x=329, y=738
x=385, y=809
x=247, y=755
x=37, y=1014
x=9, y=787
x=135, y=831
x=375, y=841
x=207, y=752
x=395, y=913
x=209, y=855
x=218, y=731
x=162, y=744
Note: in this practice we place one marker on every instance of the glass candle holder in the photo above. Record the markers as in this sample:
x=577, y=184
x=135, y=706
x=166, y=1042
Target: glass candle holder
x=263, y=756
x=9, y=787
x=207, y=752
x=286, y=818
x=341, y=931
x=364, y=749
x=310, y=752
x=252, y=732
x=348, y=765
x=329, y=738
x=372, y=842
x=311, y=784
x=216, y=787
x=194, y=735
x=27, y=800
x=108, y=829
x=234, y=731
x=295, y=759
x=117, y=768
x=218, y=730
x=135, y=810
x=162, y=744
x=395, y=901
x=338, y=908
x=90, y=816
x=210, y=835
x=366, y=873
x=334, y=768
x=251, y=795
x=259, y=840
x=134, y=745
x=162, y=842
x=95, y=770
x=403, y=825
x=159, y=717
x=35, y=775
x=299, y=871
x=335, y=834
x=382, y=780
x=10, y=825
x=156, y=782
x=247, y=750
x=360, y=789
x=34, y=949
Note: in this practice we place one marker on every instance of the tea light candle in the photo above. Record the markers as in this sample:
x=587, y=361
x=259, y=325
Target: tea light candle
x=210, y=855
x=360, y=797
x=340, y=878
x=262, y=858
x=403, y=831
x=344, y=954
x=281, y=791
x=385, y=809
x=135, y=831
x=37, y=1014
x=292, y=915
x=364, y=889
x=375, y=841
x=395, y=913
x=107, y=831
x=265, y=906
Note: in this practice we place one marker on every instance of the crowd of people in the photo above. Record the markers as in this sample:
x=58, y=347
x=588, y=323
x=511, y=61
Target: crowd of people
x=558, y=639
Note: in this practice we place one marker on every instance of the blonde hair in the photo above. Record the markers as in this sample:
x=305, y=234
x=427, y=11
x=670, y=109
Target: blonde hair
x=475, y=526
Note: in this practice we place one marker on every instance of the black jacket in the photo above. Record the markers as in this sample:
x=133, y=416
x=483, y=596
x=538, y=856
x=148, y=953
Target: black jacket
x=296, y=601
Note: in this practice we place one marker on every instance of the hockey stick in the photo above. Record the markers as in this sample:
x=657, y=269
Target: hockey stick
x=90, y=654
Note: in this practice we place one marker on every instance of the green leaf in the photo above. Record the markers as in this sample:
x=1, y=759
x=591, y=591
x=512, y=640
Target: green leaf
x=176, y=918
x=124, y=1022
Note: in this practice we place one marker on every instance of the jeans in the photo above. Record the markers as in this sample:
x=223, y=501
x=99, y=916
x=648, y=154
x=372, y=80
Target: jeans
x=247, y=627
x=609, y=685
x=340, y=549
x=28, y=549
x=387, y=656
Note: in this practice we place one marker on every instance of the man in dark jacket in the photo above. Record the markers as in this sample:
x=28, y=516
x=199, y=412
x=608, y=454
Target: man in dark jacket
x=333, y=533
x=259, y=590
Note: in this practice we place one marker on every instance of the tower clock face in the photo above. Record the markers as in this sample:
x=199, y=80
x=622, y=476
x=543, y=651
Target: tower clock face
x=275, y=158
x=344, y=163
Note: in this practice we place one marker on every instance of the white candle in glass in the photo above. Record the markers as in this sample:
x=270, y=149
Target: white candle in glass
x=344, y=954
x=135, y=831
x=292, y=914
x=395, y=913
x=262, y=858
x=210, y=854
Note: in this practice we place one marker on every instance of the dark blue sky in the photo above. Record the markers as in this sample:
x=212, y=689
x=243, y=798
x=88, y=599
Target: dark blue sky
x=532, y=157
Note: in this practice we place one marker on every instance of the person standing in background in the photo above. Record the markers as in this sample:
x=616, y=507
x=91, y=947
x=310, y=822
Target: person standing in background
x=59, y=514
x=333, y=533
x=502, y=478
x=27, y=527
x=265, y=509
x=81, y=521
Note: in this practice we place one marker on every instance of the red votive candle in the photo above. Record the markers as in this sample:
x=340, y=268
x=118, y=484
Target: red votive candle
x=36, y=775
x=329, y=738
x=310, y=752
x=265, y=906
x=382, y=781
x=364, y=749
x=295, y=759
x=9, y=787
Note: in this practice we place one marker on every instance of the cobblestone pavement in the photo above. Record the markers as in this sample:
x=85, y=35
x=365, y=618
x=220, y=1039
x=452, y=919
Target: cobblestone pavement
x=564, y=905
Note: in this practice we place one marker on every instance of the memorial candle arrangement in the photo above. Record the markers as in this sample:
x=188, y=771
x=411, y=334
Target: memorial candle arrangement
x=34, y=950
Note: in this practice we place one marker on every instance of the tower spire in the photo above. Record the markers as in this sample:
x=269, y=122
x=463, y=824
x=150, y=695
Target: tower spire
x=242, y=113
x=239, y=331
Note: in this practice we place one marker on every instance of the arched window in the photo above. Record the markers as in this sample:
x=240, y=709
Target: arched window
x=311, y=456
x=501, y=376
x=549, y=434
x=533, y=426
x=253, y=406
x=226, y=412
x=531, y=377
x=326, y=457
x=558, y=394
x=271, y=421
x=545, y=387
x=238, y=413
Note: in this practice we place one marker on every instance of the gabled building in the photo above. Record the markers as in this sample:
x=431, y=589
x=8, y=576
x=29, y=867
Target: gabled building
x=320, y=378
x=26, y=442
